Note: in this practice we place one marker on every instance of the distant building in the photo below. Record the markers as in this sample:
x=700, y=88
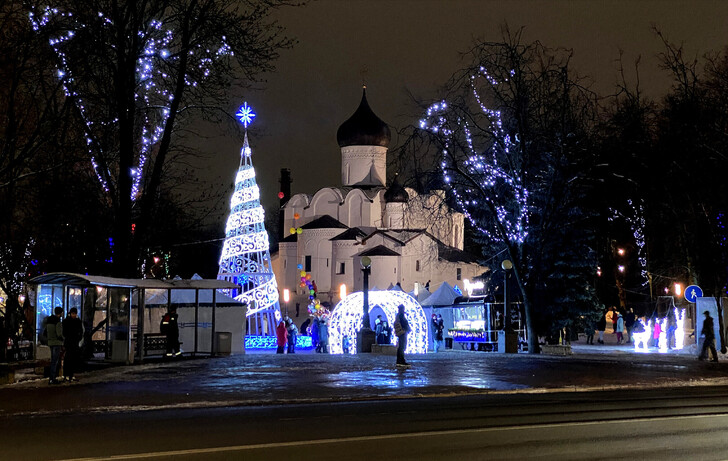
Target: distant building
x=410, y=238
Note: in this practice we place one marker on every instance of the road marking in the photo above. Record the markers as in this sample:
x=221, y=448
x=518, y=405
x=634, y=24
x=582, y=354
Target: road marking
x=369, y=438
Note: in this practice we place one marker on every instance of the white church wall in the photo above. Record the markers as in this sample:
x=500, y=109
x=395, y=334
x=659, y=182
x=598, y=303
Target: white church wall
x=419, y=261
x=384, y=271
x=343, y=253
x=363, y=165
x=325, y=202
x=297, y=204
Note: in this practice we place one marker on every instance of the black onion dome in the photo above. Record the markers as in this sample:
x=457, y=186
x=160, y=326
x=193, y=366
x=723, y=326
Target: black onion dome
x=364, y=128
x=396, y=193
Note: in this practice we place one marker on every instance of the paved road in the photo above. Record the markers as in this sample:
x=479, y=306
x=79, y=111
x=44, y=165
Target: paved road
x=660, y=424
x=255, y=379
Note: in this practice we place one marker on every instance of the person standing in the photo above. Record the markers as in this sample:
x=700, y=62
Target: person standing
x=708, y=332
x=656, y=333
x=615, y=314
x=54, y=331
x=378, y=329
x=281, y=337
x=620, y=327
x=292, y=334
x=169, y=327
x=401, y=328
x=629, y=321
x=601, y=326
x=314, y=331
x=437, y=337
x=324, y=336
x=589, y=331
x=73, y=335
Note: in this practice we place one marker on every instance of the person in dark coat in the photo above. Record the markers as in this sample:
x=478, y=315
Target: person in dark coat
x=324, y=336
x=629, y=321
x=281, y=337
x=169, y=327
x=401, y=328
x=708, y=332
x=304, y=327
x=601, y=326
x=73, y=335
x=54, y=331
x=437, y=332
x=314, y=330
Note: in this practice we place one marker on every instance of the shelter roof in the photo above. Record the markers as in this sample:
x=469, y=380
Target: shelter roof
x=70, y=278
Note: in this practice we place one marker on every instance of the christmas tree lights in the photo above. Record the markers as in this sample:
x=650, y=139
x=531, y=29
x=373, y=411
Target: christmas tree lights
x=245, y=258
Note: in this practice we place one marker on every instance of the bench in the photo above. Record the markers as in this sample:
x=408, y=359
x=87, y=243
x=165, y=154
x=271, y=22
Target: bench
x=155, y=344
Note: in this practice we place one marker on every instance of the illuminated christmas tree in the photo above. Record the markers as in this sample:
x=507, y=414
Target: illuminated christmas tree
x=245, y=258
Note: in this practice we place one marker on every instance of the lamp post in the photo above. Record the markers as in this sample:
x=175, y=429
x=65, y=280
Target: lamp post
x=286, y=298
x=511, y=339
x=366, y=335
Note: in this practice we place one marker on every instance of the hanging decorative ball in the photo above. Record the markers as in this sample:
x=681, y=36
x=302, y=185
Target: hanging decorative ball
x=302, y=285
x=303, y=273
x=310, y=297
x=308, y=276
x=299, y=231
x=281, y=195
x=318, y=302
x=295, y=215
x=299, y=267
x=292, y=230
x=311, y=292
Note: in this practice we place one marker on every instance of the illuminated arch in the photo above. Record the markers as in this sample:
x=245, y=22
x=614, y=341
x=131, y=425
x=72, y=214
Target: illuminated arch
x=347, y=316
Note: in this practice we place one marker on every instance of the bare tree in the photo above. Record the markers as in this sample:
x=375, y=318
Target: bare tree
x=514, y=135
x=138, y=72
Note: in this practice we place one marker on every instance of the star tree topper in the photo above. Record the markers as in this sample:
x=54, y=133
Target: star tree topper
x=245, y=115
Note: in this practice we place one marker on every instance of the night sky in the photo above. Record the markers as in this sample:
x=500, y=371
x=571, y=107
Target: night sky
x=397, y=47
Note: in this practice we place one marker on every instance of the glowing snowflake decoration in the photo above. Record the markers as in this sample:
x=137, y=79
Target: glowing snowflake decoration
x=245, y=114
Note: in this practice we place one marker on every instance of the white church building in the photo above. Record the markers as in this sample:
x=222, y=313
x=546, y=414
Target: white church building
x=410, y=238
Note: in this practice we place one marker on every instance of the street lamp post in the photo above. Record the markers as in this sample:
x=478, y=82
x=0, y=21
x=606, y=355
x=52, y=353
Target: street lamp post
x=511, y=343
x=366, y=335
x=286, y=298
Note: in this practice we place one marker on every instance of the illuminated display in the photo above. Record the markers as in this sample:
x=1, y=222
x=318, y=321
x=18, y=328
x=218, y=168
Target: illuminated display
x=346, y=319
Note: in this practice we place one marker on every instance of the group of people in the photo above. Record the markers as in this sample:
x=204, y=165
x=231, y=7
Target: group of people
x=65, y=339
x=382, y=331
x=287, y=332
x=620, y=323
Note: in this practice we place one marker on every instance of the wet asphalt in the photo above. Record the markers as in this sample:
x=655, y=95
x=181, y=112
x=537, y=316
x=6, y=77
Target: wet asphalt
x=267, y=379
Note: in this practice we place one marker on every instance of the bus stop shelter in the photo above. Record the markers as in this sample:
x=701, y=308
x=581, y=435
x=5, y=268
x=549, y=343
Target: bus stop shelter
x=113, y=310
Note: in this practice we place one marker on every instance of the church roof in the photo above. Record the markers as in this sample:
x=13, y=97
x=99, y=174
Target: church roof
x=350, y=234
x=379, y=250
x=454, y=255
x=291, y=238
x=324, y=222
x=396, y=193
x=363, y=128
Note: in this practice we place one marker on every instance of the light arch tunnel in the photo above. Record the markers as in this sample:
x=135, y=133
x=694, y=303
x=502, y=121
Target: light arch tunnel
x=346, y=319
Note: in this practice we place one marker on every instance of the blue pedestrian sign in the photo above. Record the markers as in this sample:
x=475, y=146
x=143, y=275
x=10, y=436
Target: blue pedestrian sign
x=692, y=293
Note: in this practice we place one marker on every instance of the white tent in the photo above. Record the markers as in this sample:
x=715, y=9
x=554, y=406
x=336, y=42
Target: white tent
x=396, y=287
x=443, y=296
x=422, y=294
